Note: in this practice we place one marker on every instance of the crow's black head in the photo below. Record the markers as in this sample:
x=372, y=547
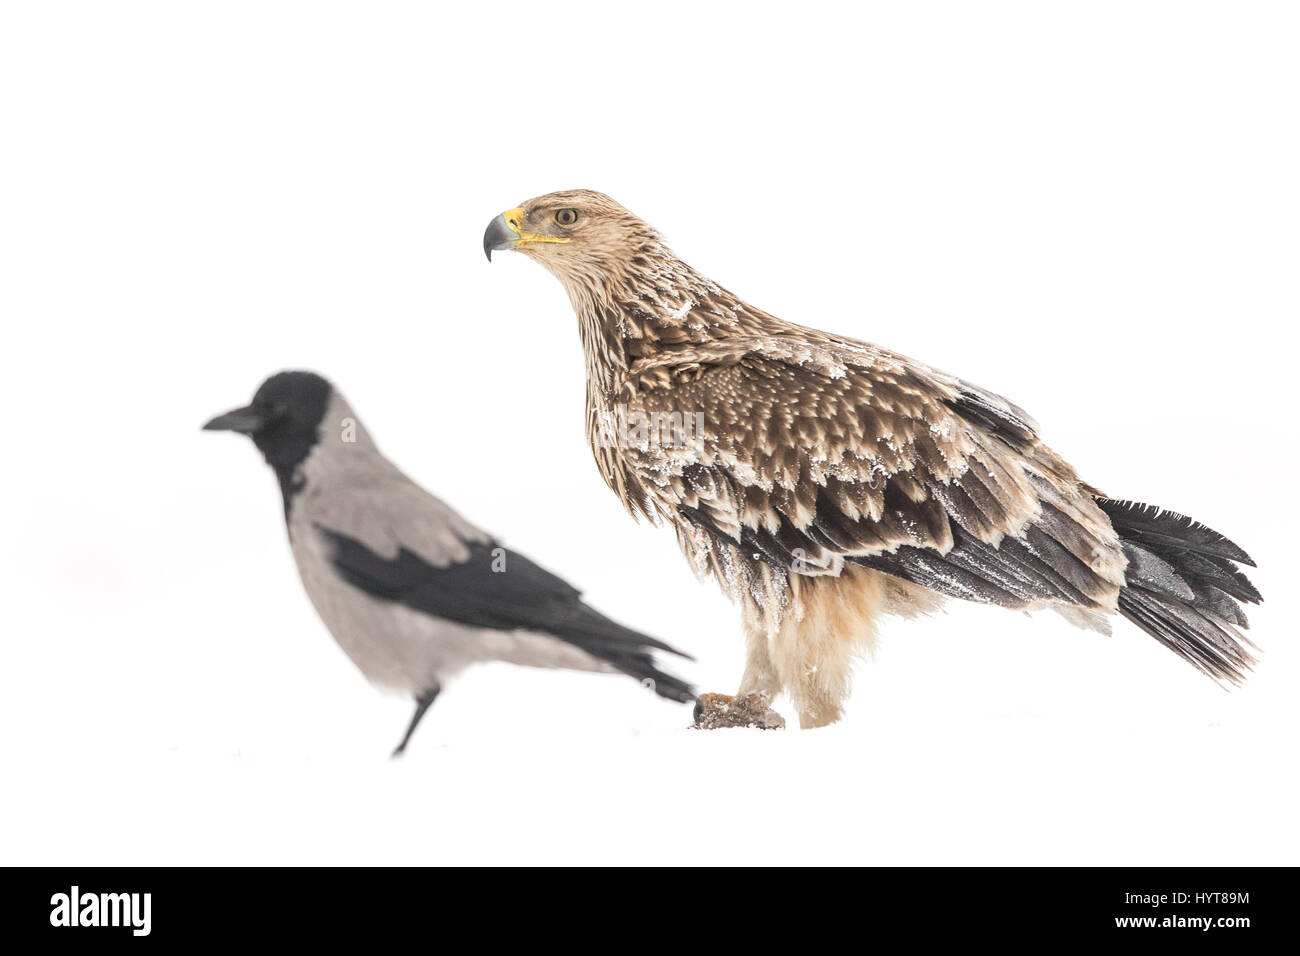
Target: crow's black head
x=283, y=419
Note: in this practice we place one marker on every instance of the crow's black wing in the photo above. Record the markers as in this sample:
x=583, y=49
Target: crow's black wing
x=502, y=590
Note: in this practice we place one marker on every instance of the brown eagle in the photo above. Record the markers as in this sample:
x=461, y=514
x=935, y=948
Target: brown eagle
x=825, y=482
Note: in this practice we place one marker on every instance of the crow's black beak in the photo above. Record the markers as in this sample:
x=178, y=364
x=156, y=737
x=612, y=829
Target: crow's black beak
x=499, y=235
x=246, y=421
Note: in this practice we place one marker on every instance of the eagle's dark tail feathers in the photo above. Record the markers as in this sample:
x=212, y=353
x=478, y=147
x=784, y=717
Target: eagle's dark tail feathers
x=1183, y=587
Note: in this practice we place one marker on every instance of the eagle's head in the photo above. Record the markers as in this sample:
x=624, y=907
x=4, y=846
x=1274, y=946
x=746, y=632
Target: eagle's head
x=579, y=235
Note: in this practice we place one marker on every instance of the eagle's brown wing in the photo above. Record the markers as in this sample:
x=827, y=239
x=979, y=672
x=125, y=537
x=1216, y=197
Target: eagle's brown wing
x=816, y=452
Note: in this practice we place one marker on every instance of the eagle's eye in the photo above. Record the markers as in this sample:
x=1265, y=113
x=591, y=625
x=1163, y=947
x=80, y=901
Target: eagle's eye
x=566, y=217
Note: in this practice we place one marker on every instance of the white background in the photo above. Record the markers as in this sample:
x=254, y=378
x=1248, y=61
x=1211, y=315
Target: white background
x=1091, y=208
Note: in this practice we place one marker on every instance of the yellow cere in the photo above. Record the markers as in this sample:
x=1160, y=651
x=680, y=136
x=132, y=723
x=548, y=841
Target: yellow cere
x=515, y=219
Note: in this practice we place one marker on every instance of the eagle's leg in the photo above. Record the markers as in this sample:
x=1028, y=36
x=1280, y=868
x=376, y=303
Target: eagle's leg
x=760, y=685
x=818, y=684
x=821, y=714
x=760, y=675
x=830, y=619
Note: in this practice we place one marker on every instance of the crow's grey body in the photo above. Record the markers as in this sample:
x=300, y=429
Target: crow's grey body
x=350, y=488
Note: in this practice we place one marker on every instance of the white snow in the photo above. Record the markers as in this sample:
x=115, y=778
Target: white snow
x=1052, y=745
x=681, y=310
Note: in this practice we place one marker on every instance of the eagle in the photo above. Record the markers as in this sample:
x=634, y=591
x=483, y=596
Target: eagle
x=826, y=483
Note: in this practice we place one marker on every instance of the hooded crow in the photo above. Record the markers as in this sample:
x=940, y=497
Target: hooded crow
x=413, y=592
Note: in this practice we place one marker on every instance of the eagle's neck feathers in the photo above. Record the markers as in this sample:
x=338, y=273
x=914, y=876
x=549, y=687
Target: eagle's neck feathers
x=650, y=304
x=641, y=304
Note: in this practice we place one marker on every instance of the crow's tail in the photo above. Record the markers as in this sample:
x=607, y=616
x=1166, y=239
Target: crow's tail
x=623, y=648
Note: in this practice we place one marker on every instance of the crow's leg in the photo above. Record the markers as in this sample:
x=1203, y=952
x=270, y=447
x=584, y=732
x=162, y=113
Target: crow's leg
x=421, y=705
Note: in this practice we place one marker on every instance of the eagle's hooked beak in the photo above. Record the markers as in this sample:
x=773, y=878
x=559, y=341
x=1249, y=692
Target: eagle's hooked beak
x=506, y=231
